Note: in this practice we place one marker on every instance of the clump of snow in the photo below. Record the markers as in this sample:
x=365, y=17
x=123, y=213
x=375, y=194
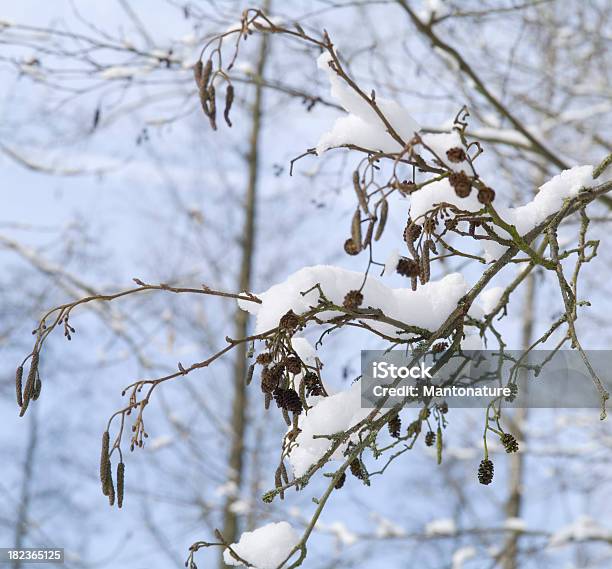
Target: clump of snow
x=240, y=507
x=122, y=72
x=304, y=349
x=443, y=526
x=472, y=342
x=228, y=488
x=362, y=126
x=490, y=297
x=515, y=524
x=547, y=201
x=329, y=415
x=160, y=442
x=462, y=555
x=386, y=528
x=584, y=528
x=433, y=8
x=427, y=307
x=425, y=198
x=264, y=548
x=391, y=262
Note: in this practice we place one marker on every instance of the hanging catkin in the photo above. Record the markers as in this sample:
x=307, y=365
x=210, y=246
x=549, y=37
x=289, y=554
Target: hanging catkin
x=384, y=213
x=18, y=386
x=356, y=228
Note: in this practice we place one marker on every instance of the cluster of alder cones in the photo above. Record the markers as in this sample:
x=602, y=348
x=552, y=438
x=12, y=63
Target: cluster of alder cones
x=462, y=183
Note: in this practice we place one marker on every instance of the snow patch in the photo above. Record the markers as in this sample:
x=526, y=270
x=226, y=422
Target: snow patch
x=329, y=415
x=362, y=126
x=427, y=307
x=443, y=526
x=266, y=547
x=583, y=529
x=462, y=555
x=547, y=201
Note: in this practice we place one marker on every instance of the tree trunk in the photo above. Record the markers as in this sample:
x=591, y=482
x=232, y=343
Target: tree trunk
x=516, y=470
x=239, y=404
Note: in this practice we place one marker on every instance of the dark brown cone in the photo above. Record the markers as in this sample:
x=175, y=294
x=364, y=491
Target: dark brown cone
x=340, y=482
x=461, y=183
x=439, y=347
x=485, y=472
x=407, y=267
x=270, y=377
x=395, y=426
x=293, y=364
x=357, y=469
x=456, y=154
x=264, y=358
x=513, y=387
x=312, y=384
x=486, y=195
x=288, y=399
x=351, y=248
x=352, y=300
x=430, y=438
x=412, y=232
x=510, y=443
x=289, y=321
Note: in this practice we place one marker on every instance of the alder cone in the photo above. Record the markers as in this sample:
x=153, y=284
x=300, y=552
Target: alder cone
x=395, y=426
x=461, y=184
x=289, y=321
x=485, y=472
x=486, y=195
x=352, y=300
x=351, y=248
x=407, y=267
x=340, y=482
x=357, y=469
x=288, y=399
x=510, y=443
x=455, y=155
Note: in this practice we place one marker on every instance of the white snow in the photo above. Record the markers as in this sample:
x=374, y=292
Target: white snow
x=304, y=349
x=442, y=526
x=583, y=529
x=362, y=126
x=266, y=547
x=386, y=528
x=490, y=297
x=472, y=342
x=427, y=307
x=462, y=555
x=118, y=72
x=515, y=524
x=391, y=262
x=160, y=442
x=547, y=201
x=329, y=415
